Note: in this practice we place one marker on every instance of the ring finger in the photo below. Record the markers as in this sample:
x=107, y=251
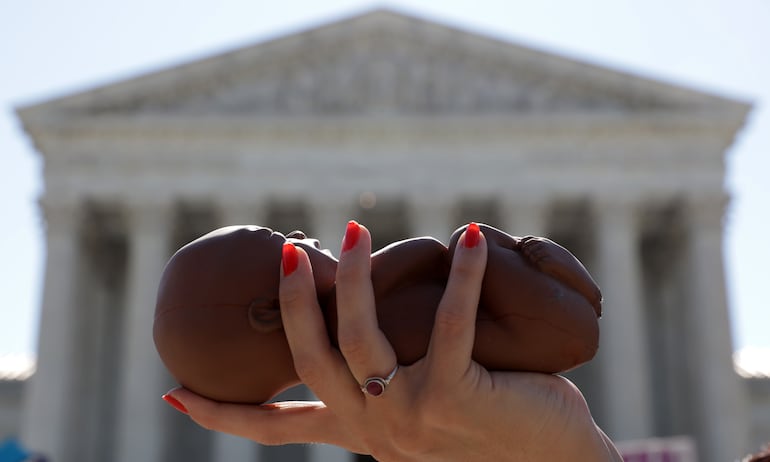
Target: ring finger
x=364, y=346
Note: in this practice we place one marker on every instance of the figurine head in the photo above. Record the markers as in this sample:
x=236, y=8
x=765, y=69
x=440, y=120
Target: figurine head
x=218, y=323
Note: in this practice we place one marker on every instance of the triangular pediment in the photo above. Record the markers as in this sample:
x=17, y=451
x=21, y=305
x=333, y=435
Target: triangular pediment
x=382, y=62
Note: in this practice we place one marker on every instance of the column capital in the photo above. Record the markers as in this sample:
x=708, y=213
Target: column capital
x=707, y=211
x=623, y=200
x=525, y=201
x=336, y=202
x=61, y=215
x=154, y=216
x=329, y=217
x=237, y=210
x=525, y=215
x=621, y=211
x=432, y=200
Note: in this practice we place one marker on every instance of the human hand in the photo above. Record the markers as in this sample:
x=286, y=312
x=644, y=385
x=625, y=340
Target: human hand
x=444, y=407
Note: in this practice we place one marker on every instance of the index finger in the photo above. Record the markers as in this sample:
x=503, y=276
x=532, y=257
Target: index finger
x=317, y=363
x=454, y=330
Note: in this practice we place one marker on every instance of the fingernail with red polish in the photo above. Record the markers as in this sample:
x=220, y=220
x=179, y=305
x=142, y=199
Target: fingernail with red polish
x=472, y=236
x=289, y=258
x=174, y=403
x=352, y=233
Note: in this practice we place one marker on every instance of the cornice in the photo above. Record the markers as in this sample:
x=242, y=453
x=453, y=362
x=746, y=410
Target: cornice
x=162, y=128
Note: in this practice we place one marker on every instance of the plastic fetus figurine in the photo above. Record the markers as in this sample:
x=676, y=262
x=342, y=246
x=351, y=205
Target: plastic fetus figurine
x=218, y=323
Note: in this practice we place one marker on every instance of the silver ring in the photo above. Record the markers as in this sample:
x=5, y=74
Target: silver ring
x=375, y=386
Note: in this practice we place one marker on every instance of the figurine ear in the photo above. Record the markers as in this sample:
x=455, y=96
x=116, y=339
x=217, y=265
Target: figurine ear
x=265, y=315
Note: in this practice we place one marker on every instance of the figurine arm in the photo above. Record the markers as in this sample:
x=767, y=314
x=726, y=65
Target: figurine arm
x=558, y=262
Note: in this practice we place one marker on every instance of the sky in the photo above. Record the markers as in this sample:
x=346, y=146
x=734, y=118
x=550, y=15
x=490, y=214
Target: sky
x=51, y=48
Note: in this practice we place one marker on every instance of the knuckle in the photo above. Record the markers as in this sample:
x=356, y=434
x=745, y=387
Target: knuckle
x=435, y=405
x=308, y=370
x=411, y=438
x=290, y=295
x=204, y=420
x=442, y=411
x=353, y=344
x=464, y=269
x=437, y=417
x=207, y=416
x=349, y=271
x=452, y=319
x=465, y=274
x=566, y=393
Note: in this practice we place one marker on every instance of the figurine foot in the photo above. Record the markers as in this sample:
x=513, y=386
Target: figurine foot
x=556, y=261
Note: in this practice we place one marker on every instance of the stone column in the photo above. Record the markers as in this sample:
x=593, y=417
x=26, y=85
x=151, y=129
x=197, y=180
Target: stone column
x=49, y=393
x=623, y=354
x=140, y=428
x=328, y=453
x=720, y=401
x=525, y=216
x=232, y=448
x=330, y=218
x=236, y=211
x=431, y=216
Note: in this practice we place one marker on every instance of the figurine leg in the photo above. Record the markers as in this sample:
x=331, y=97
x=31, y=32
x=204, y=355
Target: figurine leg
x=559, y=263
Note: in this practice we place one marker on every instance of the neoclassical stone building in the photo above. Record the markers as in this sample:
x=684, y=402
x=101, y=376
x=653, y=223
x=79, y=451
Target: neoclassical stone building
x=412, y=128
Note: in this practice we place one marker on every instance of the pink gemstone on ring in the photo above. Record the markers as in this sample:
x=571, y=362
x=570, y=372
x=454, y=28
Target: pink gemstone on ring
x=375, y=386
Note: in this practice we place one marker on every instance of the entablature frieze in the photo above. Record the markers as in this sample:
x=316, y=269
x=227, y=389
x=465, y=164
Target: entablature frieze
x=198, y=128
x=566, y=154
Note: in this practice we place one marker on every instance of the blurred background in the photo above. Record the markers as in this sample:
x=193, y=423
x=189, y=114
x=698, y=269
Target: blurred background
x=94, y=126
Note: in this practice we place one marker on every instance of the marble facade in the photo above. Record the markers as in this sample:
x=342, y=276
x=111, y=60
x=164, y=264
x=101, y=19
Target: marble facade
x=413, y=128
